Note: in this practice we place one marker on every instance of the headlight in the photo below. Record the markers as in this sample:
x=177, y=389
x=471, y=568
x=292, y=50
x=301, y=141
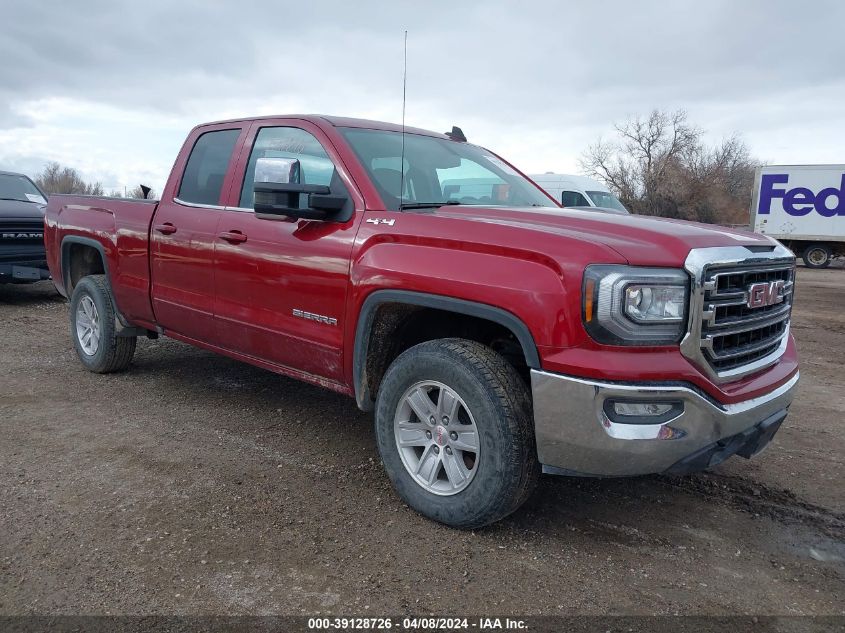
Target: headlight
x=651, y=304
x=626, y=305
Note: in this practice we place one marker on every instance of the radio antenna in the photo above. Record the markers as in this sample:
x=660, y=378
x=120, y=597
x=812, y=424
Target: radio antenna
x=404, y=86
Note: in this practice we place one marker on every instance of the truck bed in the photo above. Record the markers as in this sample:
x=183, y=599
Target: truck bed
x=120, y=229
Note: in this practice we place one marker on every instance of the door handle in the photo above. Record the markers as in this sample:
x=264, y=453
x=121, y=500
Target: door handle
x=233, y=237
x=165, y=229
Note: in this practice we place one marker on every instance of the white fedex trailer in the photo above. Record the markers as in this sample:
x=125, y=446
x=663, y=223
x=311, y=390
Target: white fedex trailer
x=803, y=206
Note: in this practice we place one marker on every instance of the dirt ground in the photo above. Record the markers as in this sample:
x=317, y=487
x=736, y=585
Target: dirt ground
x=193, y=484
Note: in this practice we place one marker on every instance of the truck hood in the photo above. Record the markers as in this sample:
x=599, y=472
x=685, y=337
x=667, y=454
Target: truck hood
x=20, y=210
x=642, y=240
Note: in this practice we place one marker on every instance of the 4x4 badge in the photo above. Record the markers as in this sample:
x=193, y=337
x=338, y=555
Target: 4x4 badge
x=382, y=221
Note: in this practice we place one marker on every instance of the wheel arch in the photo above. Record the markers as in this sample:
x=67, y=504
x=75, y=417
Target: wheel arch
x=76, y=262
x=73, y=269
x=406, y=302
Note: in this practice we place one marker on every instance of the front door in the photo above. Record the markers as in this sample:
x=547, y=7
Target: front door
x=184, y=233
x=281, y=285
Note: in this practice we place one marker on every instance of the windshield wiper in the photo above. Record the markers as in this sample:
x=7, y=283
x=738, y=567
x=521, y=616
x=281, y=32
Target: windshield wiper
x=428, y=205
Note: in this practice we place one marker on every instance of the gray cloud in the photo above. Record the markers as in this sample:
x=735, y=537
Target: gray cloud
x=529, y=70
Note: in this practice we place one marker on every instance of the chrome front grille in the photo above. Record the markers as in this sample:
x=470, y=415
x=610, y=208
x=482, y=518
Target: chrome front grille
x=730, y=334
x=733, y=334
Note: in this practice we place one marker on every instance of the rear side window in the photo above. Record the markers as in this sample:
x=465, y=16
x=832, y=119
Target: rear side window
x=206, y=167
x=573, y=199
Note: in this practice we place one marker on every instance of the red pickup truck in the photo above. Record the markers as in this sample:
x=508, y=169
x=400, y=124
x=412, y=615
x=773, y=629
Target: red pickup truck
x=495, y=335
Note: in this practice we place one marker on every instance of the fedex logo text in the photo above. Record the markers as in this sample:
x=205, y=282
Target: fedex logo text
x=828, y=202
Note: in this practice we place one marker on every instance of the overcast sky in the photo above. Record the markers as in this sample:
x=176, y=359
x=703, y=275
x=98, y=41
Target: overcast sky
x=112, y=87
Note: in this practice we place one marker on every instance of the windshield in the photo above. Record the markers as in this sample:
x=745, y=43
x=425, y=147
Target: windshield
x=439, y=171
x=17, y=187
x=606, y=199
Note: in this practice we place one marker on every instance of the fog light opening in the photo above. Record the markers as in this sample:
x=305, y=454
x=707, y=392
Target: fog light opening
x=641, y=408
x=642, y=411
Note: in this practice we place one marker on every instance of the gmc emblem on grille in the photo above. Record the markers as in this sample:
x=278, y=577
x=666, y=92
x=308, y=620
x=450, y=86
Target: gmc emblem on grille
x=765, y=294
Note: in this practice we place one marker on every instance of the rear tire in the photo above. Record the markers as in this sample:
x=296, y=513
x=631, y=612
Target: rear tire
x=488, y=445
x=817, y=256
x=92, y=328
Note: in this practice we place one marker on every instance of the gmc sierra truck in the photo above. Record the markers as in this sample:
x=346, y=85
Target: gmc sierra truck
x=494, y=334
x=22, y=205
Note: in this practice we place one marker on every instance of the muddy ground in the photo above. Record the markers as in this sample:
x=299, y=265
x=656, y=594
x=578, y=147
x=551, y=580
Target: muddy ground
x=193, y=484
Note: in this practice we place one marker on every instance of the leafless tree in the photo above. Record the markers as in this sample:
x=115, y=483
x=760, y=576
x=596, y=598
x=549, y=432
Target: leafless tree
x=659, y=165
x=135, y=192
x=58, y=179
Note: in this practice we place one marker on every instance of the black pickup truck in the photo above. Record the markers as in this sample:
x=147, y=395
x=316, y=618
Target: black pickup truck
x=22, y=205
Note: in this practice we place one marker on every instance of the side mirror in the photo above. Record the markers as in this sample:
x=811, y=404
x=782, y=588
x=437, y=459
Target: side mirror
x=281, y=170
x=278, y=193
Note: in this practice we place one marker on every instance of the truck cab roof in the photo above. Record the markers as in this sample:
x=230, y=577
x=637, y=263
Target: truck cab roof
x=335, y=121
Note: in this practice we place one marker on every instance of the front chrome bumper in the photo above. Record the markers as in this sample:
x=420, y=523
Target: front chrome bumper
x=576, y=436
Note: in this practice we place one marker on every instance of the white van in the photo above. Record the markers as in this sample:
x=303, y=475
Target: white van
x=578, y=191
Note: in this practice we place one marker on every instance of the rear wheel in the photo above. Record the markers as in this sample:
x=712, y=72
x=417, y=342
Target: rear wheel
x=92, y=328
x=455, y=432
x=817, y=256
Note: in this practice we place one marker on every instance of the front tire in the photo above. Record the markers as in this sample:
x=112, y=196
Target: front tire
x=455, y=432
x=92, y=329
x=817, y=256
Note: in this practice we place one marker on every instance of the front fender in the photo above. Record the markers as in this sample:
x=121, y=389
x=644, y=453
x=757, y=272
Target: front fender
x=525, y=284
x=522, y=291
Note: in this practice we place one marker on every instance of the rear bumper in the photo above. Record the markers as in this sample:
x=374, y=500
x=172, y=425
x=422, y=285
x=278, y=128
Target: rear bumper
x=576, y=435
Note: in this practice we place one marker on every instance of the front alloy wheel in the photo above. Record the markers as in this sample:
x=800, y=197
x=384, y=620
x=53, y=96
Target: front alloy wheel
x=436, y=438
x=455, y=432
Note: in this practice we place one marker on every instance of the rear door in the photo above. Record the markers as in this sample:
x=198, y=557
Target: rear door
x=184, y=232
x=281, y=285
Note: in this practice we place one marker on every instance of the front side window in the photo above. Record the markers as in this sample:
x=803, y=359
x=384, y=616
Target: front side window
x=315, y=166
x=206, y=168
x=18, y=187
x=439, y=171
x=573, y=199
